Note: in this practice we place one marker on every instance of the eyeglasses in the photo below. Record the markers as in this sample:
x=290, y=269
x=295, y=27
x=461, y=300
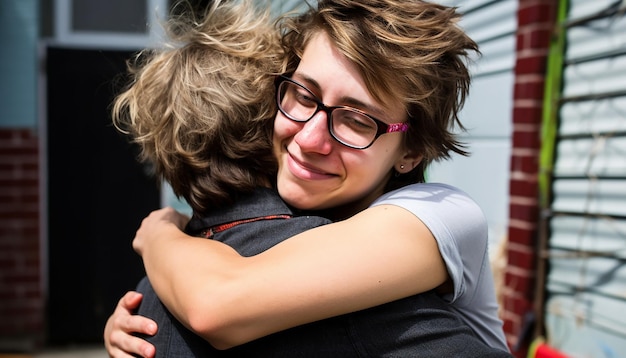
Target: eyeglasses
x=349, y=126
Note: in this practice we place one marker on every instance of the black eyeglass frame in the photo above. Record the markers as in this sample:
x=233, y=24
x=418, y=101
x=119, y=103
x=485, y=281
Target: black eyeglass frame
x=382, y=127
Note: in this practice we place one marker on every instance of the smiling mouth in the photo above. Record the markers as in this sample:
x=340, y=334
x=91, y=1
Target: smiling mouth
x=304, y=171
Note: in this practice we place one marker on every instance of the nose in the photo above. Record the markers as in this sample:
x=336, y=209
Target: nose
x=314, y=135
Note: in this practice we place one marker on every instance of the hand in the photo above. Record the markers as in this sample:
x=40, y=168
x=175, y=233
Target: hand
x=155, y=223
x=118, y=331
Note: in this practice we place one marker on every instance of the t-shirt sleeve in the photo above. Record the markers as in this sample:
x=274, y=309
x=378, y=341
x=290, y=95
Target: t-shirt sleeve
x=457, y=223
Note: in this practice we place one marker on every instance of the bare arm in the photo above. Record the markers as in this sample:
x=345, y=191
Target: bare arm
x=324, y=272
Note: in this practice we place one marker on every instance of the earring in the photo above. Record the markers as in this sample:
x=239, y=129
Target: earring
x=401, y=166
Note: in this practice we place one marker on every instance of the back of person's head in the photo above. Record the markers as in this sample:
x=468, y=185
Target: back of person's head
x=404, y=49
x=202, y=109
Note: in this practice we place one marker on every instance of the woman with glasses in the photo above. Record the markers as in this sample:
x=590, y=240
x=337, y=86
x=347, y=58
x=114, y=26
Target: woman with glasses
x=370, y=98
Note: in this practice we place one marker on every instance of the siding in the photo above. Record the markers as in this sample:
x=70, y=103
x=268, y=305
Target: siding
x=586, y=279
x=487, y=113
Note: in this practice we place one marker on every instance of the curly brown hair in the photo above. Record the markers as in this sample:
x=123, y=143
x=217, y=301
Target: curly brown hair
x=201, y=109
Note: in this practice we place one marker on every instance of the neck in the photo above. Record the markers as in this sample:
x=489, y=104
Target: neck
x=339, y=213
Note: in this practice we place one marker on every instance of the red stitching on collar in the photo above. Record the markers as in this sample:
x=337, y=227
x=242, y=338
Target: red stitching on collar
x=208, y=233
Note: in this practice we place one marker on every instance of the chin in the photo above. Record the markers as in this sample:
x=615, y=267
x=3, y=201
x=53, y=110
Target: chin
x=300, y=202
x=291, y=196
x=298, y=199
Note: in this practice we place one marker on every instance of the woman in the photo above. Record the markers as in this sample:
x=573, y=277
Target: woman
x=389, y=65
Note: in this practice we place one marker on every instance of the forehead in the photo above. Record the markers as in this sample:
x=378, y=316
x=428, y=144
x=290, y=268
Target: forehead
x=329, y=73
x=322, y=63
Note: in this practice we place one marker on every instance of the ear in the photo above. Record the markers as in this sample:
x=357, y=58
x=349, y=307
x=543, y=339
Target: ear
x=407, y=162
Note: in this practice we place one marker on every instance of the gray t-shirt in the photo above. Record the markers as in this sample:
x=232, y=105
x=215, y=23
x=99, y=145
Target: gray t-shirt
x=460, y=228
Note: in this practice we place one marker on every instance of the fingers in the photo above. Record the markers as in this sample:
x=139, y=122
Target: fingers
x=130, y=322
x=119, y=340
x=152, y=226
x=169, y=214
x=123, y=344
x=130, y=301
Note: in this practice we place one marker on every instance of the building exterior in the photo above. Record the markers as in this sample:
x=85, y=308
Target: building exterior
x=547, y=128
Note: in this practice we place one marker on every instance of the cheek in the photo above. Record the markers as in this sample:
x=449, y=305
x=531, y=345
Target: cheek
x=363, y=172
x=371, y=171
x=378, y=162
x=284, y=128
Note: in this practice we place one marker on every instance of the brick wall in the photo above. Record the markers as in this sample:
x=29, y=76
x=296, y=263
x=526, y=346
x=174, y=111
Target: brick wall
x=21, y=298
x=535, y=27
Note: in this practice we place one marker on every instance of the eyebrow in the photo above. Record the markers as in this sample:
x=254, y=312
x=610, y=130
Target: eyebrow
x=351, y=101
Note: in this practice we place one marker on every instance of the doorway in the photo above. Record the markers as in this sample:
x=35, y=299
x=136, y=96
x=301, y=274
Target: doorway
x=97, y=194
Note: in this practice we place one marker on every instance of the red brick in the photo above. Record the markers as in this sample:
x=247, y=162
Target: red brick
x=527, y=114
x=14, y=151
x=32, y=259
x=526, y=139
x=533, y=38
x=540, y=38
x=510, y=325
x=22, y=277
x=536, y=13
x=536, y=20
x=531, y=64
x=21, y=299
x=523, y=188
x=529, y=90
x=524, y=163
x=30, y=166
x=523, y=284
x=521, y=257
x=17, y=135
x=7, y=262
x=21, y=215
x=517, y=305
x=32, y=231
x=18, y=183
x=529, y=213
